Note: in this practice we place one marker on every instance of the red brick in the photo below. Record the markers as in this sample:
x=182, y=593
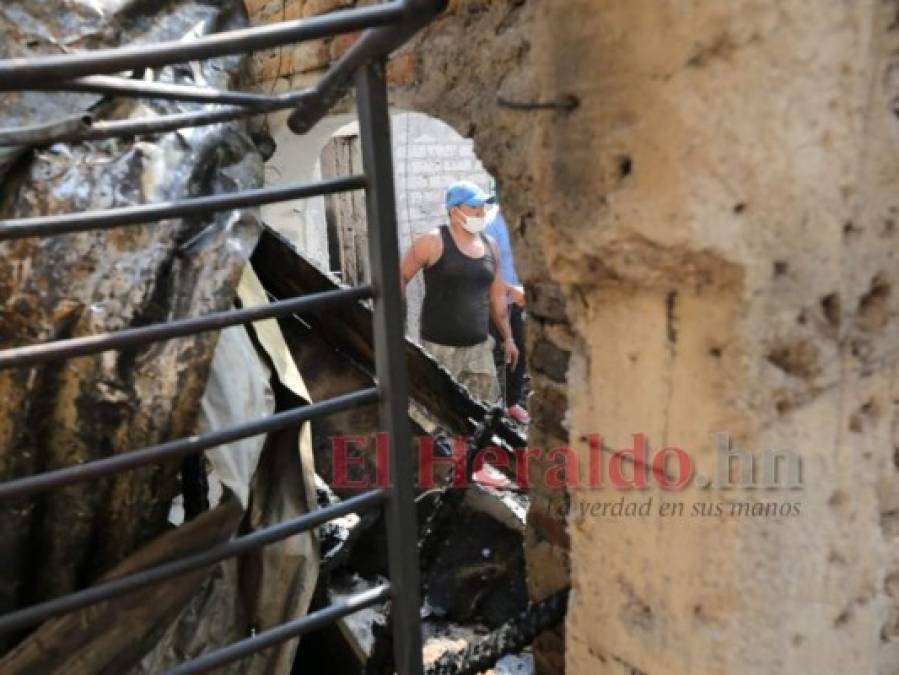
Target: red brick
x=341, y=43
x=309, y=56
x=552, y=529
x=255, y=6
x=401, y=68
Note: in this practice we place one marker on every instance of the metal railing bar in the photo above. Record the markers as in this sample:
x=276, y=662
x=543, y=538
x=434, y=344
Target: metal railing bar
x=35, y=134
x=335, y=83
x=310, y=104
x=137, y=88
x=285, y=631
x=387, y=27
x=374, y=43
x=84, y=128
x=19, y=72
x=19, y=357
x=427, y=8
x=400, y=517
x=238, y=546
x=145, y=213
x=79, y=473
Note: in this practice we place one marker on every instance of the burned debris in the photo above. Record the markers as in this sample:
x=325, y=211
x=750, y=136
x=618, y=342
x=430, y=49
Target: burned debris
x=470, y=541
x=167, y=487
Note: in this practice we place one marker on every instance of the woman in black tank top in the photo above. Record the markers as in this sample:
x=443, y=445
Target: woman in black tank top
x=456, y=307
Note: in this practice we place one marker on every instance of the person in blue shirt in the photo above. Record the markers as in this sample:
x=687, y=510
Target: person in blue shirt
x=512, y=378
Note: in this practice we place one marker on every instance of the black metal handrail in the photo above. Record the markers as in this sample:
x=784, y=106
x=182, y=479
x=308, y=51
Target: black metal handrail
x=119, y=586
x=386, y=27
x=58, y=350
x=44, y=226
x=309, y=104
x=123, y=86
x=285, y=631
x=16, y=74
x=99, y=468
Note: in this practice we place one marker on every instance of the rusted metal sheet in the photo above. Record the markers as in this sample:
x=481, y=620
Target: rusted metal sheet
x=112, y=636
x=86, y=283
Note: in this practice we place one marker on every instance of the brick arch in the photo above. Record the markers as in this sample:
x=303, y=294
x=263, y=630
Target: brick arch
x=443, y=74
x=659, y=164
x=294, y=161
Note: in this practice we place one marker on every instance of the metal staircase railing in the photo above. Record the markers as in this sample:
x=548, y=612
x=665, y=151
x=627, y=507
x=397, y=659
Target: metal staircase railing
x=386, y=27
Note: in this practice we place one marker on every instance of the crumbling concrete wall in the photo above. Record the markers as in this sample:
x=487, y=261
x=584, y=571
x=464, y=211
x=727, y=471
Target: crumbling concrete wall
x=703, y=202
x=59, y=415
x=728, y=247
x=495, y=101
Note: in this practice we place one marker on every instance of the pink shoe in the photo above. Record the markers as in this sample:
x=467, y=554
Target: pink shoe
x=516, y=412
x=491, y=477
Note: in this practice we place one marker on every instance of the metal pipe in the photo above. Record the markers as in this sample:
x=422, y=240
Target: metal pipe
x=308, y=101
x=72, y=126
x=374, y=43
x=335, y=83
x=390, y=366
x=67, y=131
x=49, y=480
x=124, y=86
x=311, y=104
x=285, y=631
x=94, y=344
x=17, y=73
x=121, y=585
x=55, y=73
x=145, y=213
x=482, y=653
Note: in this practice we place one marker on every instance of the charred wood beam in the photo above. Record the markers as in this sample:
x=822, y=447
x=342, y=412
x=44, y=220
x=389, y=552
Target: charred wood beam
x=194, y=486
x=285, y=273
x=448, y=503
x=509, y=638
x=338, y=558
x=449, y=500
x=380, y=662
x=115, y=635
x=334, y=557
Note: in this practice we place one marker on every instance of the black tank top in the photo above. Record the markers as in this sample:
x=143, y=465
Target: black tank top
x=456, y=308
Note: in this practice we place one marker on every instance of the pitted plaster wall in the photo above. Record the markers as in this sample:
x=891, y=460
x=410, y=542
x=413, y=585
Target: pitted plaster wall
x=703, y=197
x=734, y=168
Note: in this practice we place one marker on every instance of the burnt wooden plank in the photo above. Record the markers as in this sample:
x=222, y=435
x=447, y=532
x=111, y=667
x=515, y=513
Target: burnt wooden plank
x=285, y=273
x=111, y=637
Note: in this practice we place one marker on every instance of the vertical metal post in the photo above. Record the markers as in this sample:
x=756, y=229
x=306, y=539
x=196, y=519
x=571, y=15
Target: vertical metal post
x=390, y=364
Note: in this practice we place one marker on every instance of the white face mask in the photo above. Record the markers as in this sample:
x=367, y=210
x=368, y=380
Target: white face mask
x=474, y=224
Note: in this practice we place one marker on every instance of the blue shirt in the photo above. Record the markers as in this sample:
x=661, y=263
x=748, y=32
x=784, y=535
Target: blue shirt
x=498, y=230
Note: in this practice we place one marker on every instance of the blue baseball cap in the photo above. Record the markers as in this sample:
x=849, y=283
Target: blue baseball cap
x=466, y=192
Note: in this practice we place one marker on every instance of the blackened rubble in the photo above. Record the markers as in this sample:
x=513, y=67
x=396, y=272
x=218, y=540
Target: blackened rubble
x=471, y=545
